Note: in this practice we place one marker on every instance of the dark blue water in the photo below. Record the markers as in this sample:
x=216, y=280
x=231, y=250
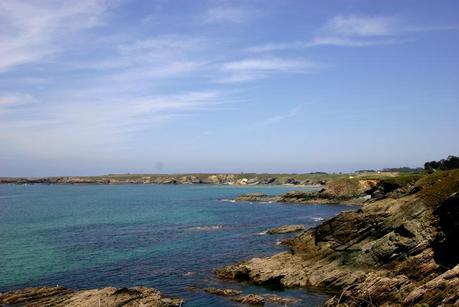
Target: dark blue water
x=170, y=237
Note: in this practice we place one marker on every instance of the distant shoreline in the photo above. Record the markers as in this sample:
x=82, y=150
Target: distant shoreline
x=243, y=179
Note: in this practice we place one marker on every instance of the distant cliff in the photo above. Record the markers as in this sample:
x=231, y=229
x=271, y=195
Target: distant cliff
x=236, y=179
x=201, y=178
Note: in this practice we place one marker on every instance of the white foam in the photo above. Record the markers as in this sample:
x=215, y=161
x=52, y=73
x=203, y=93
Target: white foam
x=206, y=228
x=317, y=219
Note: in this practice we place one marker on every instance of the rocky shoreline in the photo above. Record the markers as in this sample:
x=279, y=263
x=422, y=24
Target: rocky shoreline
x=59, y=296
x=398, y=248
x=225, y=179
x=343, y=192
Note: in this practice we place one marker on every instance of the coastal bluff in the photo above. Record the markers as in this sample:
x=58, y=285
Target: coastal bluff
x=399, y=249
x=306, y=179
x=201, y=178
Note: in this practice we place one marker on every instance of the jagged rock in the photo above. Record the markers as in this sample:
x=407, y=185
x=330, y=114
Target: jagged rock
x=189, y=180
x=256, y=197
x=253, y=181
x=221, y=179
x=59, y=296
x=292, y=181
x=222, y=292
x=285, y=229
x=267, y=180
x=440, y=291
x=250, y=299
x=302, y=197
x=281, y=300
x=393, y=250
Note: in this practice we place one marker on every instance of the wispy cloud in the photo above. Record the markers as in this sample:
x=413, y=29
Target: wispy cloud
x=164, y=44
x=355, y=25
x=91, y=125
x=256, y=68
x=225, y=12
x=144, y=62
x=9, y=102
x=354, y=31
x=33, y=30
x=271, y=120
x=357, y=31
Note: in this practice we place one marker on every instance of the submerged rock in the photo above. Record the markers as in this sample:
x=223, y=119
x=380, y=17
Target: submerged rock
x=285, y=229
x=282, y=300
x=250, y=299
x=59, y=296
x=222, y=292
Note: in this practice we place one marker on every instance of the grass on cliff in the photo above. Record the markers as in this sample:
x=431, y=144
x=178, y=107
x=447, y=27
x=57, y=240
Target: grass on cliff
x=350, y=177
x=438, y=186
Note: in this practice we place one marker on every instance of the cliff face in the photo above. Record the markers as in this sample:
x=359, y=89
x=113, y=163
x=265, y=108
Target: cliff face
x=400, y=249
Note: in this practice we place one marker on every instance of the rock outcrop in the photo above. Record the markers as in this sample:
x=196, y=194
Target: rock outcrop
x=395, y=250
x=342, y=191
x=285, y=229
x=250, y=299
x=59, y=296
x=222, y=292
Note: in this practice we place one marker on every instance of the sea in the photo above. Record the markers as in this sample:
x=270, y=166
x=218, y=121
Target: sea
x=170, y=237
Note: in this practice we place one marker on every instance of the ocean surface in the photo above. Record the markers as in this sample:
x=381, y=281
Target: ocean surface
x=170, y=237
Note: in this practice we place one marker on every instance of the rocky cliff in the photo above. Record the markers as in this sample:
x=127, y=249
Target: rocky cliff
x=397, y=249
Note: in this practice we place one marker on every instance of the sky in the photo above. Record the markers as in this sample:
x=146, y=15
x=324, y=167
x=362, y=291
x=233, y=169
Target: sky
x=94, y=87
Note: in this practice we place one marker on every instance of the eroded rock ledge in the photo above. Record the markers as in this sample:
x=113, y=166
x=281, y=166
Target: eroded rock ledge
x=59, y=296
x=395, y=250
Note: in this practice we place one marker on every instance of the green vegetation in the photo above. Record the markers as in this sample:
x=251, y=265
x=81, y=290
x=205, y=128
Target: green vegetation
x=452, y=162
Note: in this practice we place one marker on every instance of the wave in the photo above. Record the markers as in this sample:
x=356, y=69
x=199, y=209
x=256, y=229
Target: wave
x=206, y=228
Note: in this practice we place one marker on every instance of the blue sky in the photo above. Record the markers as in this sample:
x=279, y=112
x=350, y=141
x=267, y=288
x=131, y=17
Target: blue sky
x=98, y=87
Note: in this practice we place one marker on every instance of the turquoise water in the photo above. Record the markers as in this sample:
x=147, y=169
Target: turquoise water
x=170, y=237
